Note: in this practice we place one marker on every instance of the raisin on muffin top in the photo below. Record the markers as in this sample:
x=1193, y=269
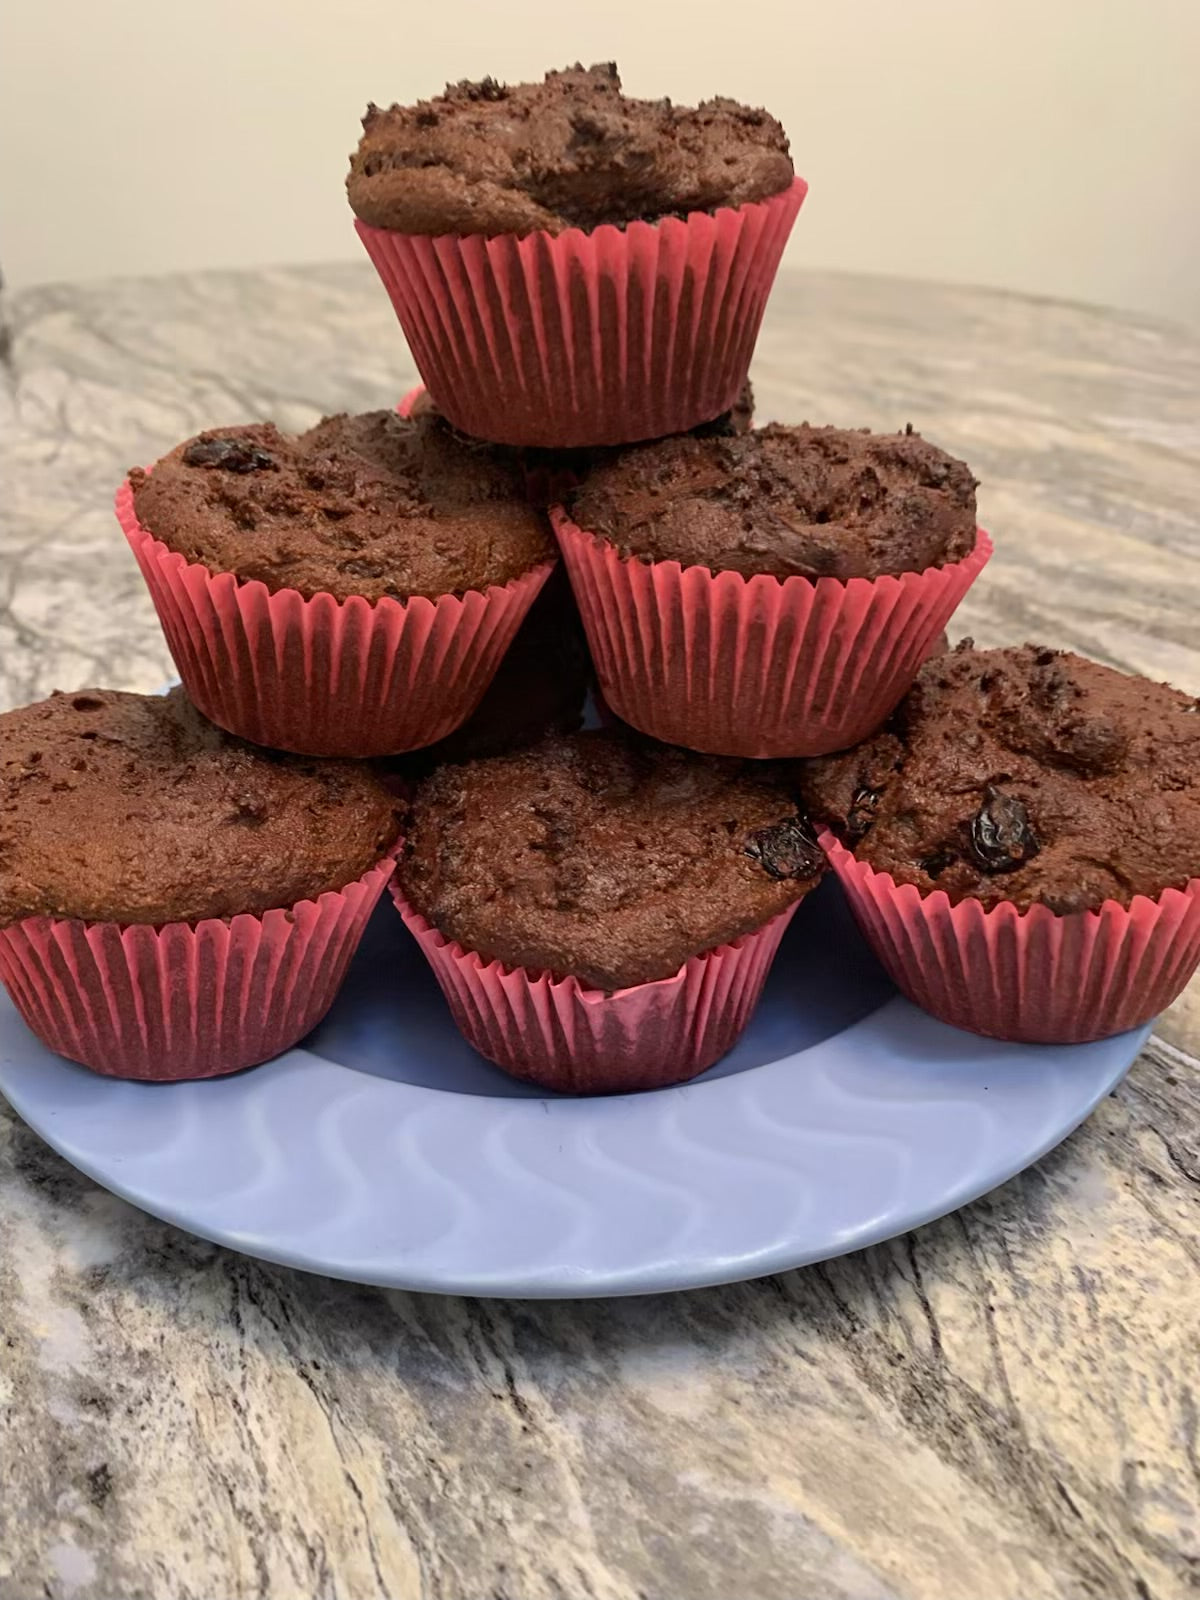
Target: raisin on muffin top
x=1028, y=775
x=371, y=505
x=784, y=501
x=570, y=152
x=133, y=808
x=610, y=860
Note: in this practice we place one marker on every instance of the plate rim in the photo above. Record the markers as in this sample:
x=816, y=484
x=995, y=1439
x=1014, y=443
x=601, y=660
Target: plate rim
x=638, y=1279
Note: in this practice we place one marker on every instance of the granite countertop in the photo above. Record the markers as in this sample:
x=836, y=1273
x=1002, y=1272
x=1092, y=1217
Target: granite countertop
x=1002, y=1404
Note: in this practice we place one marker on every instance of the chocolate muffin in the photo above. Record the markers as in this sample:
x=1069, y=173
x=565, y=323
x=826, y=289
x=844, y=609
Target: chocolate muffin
x=555, y=474
x=785, y=501
x=551, y=475
x=129, y=808
x=1025, y=775
x=371, y=505
x=570, y=152
x=603, y=859
x=539, y=689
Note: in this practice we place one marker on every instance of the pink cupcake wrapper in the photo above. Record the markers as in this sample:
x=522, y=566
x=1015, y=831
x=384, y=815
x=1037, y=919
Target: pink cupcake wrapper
x=760, y=666
x=327, y=677
x=577, y=1040
x=1033, y=976
x=587, y=338
x=185, y=1000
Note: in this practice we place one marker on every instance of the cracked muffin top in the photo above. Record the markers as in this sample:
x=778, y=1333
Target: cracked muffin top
x=613, y=860
x=570, y=152
x=371, y=505
x=1028, y=775
x=784, y=501
x=133, y=808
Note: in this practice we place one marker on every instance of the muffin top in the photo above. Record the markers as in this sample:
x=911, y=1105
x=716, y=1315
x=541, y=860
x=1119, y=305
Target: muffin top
x=569, y=152
x=133, y=808
x=613, y=860
x=784, y=501
x=1027, y=775
x=368, y=505
x=551, y=475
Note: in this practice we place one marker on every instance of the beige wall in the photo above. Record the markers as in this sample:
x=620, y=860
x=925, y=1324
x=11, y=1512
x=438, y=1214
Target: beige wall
x=1052, y=147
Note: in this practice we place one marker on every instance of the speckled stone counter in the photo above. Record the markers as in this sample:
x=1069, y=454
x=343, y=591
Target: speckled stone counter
x=1003, y=1404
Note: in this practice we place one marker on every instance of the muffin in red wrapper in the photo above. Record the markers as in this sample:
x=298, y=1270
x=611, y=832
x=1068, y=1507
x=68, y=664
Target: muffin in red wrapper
x=185, y=1000
x=1021, y=846
x=600, y=913
x=346, y=593
x=187, y=906
x=572, y=267
x=771, y=594
x=1034, y=976
x=573, y=1039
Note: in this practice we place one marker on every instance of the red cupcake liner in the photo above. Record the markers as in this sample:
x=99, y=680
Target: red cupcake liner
x=587, y=338
x=327, y=677
x=1032, y=976
x=562, y=1035
x=185, y=1000
x=760, y=666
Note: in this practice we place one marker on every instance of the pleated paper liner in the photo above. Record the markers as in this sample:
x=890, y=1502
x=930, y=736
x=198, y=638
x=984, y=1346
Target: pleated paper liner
x=562, y=1035
x=762, y=666
x=322, y=676
x=186, y=1000
x=1032, y=976
x=587, y=338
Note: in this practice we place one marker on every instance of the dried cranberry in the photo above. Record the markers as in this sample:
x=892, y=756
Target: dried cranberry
x=356, y=567
x=1000, y=833
x=933, y=866
x=231, y=455
x=862, y=812
x=786, y=850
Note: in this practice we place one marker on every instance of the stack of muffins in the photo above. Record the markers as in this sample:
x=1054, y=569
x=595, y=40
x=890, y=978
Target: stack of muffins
x=385, y=629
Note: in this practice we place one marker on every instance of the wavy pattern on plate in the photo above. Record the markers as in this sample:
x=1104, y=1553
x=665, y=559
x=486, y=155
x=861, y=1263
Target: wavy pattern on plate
x=893, y=1121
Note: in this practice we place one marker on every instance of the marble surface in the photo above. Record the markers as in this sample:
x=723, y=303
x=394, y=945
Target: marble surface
x=1003, y=1404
